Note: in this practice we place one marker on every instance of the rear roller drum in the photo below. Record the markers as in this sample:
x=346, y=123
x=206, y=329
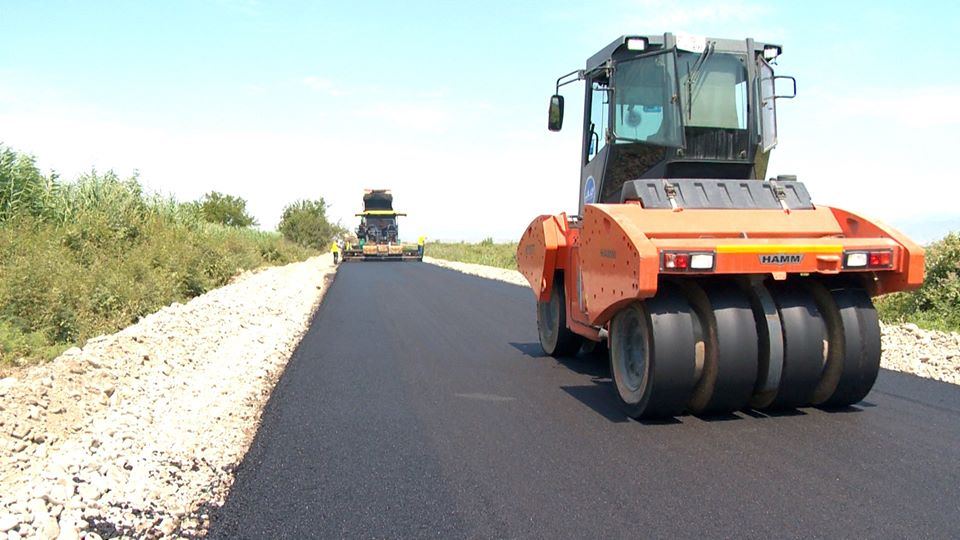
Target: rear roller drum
x=853, y=357
x=729, y=334
x=652, y=355
x=556, y=339
x=804, y=344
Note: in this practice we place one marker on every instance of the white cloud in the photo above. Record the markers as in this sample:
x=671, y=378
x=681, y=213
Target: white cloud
x=879, y=152
x=412, y=116
x=255, y=90
x=672, y=16
x=925, y=107
x=451, y=189
x=247, y=7
x=326, y=86
x=435, y=93
x=463, y=173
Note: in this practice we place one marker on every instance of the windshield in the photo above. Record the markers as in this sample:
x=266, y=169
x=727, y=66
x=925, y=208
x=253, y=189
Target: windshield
x=379, y=222
x=649, y=99
x=713, y=89
x=646, y=108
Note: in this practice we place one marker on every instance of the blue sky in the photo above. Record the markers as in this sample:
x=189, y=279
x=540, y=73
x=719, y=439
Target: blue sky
x=445, y=102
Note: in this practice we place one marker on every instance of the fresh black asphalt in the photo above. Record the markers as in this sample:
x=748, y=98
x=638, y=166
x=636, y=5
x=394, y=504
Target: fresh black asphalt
x=419, y=404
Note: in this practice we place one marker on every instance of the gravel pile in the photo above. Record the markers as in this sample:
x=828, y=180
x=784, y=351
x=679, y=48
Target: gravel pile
x=927, y=353
x=906, y=348
x=137, y=434
x=489, y=272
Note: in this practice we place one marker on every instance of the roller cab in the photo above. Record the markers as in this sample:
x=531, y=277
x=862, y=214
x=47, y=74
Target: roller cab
x=715, y=289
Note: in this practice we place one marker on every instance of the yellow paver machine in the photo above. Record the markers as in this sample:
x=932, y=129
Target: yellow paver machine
x=378, y=235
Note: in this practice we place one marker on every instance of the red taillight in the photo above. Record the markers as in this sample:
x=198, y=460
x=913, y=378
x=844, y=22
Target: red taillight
x=880, y=259
x=676, y=261
x=680, y=261
x=868, y=259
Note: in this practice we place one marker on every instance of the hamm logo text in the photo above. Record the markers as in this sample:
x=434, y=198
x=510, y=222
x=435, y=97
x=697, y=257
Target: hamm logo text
x=781, y=258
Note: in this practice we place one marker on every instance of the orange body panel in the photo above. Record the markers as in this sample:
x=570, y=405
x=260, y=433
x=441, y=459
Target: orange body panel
x=909, y=258
x=694, y=223
x=612, y=257
x=542, y=246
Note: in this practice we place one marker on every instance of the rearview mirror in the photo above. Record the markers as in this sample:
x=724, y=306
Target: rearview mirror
x=555, y=116
x=793, y=92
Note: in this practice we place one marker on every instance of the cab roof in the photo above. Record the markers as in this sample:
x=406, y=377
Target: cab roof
x=682, y=42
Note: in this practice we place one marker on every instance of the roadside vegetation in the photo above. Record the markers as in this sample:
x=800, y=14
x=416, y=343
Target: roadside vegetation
x=935, y=306
x=305, y=223
x=486, y=252
x=229, y=210
x=90, y=256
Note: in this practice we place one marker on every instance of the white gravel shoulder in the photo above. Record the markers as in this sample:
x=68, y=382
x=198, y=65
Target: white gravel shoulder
x=489, y=272
x=927, y=353
x=138, y=433
x=906, y=348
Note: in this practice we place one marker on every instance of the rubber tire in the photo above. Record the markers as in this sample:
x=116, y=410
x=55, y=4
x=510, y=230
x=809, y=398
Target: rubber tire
x=662, y=328
x=855, y=348
x=804, y=332
x=731, y=349
x=770, y=342
x=555, y=338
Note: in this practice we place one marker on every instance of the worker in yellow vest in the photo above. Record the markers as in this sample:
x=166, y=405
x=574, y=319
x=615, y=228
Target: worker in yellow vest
x=420, y=243
x=335, y=249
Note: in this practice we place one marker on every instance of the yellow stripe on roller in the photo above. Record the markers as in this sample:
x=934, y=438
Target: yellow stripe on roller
x=780, y=248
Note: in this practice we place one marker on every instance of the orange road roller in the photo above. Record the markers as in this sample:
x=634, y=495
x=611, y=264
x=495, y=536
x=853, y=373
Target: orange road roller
x=714, y=289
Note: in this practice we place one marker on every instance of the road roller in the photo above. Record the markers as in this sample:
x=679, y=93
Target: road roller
x=714, y=287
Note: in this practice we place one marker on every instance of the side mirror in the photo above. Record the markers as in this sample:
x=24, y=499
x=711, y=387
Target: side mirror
x=555, y=116
x=793, y=93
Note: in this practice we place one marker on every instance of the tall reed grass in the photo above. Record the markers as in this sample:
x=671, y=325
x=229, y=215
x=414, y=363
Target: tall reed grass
x=88, y=257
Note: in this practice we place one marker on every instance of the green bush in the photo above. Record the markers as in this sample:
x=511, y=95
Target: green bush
x=935, y=305
x=89, y=257
x=305, y=223
x=229, y=210
x=486, y=252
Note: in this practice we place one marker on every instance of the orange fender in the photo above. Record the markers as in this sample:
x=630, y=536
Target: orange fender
x=910, y=265
x=541, y=252
x=619, y=264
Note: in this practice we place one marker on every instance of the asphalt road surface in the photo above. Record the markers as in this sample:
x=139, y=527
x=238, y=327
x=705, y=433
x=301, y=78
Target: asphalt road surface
x=419, y=404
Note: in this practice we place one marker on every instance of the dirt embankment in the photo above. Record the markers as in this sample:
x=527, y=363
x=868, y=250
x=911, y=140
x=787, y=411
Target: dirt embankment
x=138, y=432
x=906, y=347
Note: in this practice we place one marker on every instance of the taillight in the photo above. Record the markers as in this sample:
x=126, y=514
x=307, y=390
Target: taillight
x=676, y=261
x=681, y=261
x=881, y=258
